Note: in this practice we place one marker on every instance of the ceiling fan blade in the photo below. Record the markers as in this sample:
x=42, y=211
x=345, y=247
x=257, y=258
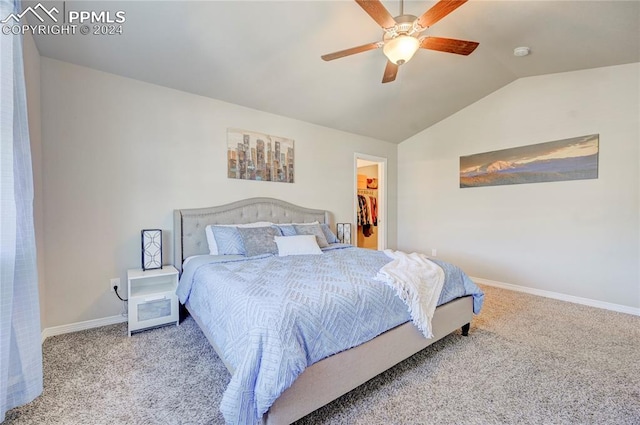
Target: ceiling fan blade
x=439, y=11
x=449, y=45
x=390, y=72
x=378, y=12
x=351, y=51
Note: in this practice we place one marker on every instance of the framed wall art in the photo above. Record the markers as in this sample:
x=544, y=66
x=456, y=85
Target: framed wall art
x=258, y=156
x=568, y=159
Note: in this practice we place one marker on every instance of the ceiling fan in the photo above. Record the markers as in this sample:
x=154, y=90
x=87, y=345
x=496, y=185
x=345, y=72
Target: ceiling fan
x=403, y=35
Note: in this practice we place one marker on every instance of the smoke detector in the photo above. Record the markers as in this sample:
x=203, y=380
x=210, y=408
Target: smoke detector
x=521, y=51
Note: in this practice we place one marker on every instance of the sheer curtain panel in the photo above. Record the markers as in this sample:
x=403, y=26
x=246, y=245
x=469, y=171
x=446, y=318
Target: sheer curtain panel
x=20, y=340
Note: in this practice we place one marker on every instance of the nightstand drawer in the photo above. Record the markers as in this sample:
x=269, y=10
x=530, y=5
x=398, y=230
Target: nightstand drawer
x=152, y=310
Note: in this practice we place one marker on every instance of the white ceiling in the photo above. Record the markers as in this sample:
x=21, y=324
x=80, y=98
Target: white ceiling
x=266, y=54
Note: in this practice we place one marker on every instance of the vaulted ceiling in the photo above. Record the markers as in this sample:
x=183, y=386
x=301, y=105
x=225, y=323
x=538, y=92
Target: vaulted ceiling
x=266, y=54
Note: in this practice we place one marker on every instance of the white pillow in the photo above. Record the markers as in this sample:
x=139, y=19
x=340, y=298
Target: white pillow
x=211, y=240
x=297, y=245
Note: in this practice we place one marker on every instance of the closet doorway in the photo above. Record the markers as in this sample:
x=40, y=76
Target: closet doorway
x=370, y=202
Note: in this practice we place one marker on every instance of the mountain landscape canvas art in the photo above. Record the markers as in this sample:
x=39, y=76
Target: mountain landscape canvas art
x=568, y=159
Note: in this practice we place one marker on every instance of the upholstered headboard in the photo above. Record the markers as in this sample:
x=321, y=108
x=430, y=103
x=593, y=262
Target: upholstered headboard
x=189, y=224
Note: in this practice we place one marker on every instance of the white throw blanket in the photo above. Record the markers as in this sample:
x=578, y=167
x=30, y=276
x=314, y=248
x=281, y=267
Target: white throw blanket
x=418, y=282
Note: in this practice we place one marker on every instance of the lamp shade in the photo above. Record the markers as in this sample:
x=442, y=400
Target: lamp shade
x=401, y=48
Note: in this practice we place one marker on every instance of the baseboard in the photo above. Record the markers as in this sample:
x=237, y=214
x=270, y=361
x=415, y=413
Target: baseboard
x=81, y=326
x=558, y=296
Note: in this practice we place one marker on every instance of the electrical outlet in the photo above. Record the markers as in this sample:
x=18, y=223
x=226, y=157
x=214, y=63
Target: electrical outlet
x=114, y=282
x=434, y=252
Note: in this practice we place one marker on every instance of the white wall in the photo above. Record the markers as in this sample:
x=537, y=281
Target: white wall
x=120, y=155
x=579, y=238
x=32, y=80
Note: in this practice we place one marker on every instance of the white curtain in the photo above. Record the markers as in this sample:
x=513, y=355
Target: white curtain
x=20, y=340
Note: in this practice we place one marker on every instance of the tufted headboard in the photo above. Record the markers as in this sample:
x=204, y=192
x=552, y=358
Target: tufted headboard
x=189, y=224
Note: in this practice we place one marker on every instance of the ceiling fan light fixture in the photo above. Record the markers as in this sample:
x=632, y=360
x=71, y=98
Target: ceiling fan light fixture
x=401, y=49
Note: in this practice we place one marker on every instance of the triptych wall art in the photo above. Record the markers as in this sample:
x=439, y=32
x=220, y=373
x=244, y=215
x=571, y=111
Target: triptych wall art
x=257, y=156
x=568, y=159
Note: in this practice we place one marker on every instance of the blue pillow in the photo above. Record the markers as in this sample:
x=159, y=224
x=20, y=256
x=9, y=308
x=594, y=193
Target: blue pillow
x=331, y=237
x=287, y=229
x=277, y=229
x=228, y=240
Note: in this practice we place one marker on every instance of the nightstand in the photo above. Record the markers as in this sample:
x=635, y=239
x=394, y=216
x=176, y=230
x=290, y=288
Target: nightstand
x=152, y=298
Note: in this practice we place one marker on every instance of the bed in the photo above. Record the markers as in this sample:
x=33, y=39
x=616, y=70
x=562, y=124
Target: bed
x=330, y=377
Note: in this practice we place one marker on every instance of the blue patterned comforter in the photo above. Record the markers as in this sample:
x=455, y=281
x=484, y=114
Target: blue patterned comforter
x=271, y=316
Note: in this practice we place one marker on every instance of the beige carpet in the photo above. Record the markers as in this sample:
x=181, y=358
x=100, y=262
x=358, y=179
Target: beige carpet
x=527, y=360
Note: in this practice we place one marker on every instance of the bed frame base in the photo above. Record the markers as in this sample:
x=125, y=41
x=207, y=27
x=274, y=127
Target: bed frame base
x=336, y=375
